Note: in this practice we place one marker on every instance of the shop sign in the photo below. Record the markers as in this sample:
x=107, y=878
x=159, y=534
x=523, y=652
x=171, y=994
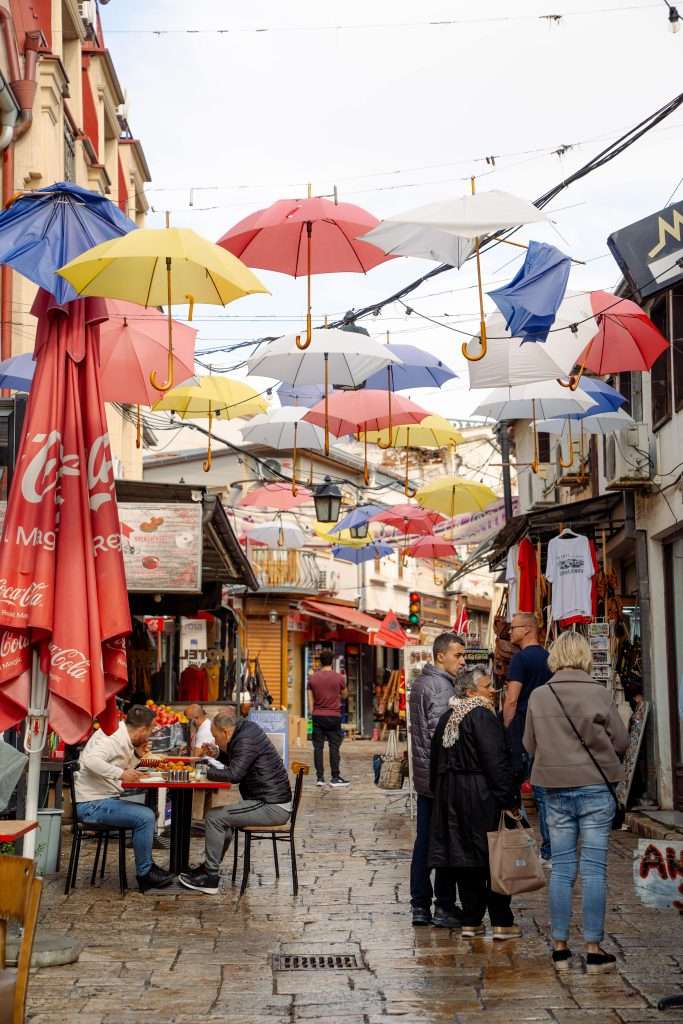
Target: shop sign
x=297, y=623
x=275, y=724
x=162, y=546
x=658, y=873
x=650, y=252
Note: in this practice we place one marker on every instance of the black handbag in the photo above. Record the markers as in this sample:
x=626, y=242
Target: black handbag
x=619, y=809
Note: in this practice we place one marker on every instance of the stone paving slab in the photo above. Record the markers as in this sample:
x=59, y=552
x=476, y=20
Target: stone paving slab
x=182, y=958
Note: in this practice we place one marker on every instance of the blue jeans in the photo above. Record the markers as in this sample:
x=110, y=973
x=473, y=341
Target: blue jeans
x=121, y=814
x=539, y=797
x=585, y=813
x=421, y=892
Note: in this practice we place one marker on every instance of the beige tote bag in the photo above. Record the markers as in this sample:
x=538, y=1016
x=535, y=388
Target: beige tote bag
x=514, y=862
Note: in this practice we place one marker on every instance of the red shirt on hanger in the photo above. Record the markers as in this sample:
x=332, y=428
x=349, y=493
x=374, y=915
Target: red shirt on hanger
x=528, y=573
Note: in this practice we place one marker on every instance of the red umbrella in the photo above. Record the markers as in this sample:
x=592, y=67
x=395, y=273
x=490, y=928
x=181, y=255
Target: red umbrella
x=431, y=546
x=357, y=412
x=305, y=236
x=409, y=519
x=278, y=496
x=626, y=340
x=62, y=581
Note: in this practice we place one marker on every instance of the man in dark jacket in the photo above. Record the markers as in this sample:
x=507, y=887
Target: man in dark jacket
x=429, y=696
x=252, y=761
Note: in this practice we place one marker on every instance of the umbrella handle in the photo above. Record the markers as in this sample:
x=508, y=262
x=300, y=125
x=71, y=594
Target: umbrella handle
x=309, y=318
x=138, y=429
x=169, y=365
x=482, y=350
x=408, y=488
x=206, y=465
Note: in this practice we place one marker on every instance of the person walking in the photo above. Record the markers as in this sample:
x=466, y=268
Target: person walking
x=429, y=697
x=528, y=669
x=328, y=689
x=472, y=782
x=575, y=734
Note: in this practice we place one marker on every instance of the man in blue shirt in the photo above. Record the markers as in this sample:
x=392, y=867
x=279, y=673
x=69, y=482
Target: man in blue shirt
x=528, y=669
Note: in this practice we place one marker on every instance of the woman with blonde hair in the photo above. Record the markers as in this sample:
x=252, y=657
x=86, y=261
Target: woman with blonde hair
x=575, y=734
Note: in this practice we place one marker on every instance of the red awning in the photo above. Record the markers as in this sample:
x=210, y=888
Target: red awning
x=342, y=614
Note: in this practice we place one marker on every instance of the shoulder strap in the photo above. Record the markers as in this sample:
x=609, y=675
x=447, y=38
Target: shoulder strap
x=583, y=743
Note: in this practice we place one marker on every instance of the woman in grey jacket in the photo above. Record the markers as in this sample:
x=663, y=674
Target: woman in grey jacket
x=579, y=802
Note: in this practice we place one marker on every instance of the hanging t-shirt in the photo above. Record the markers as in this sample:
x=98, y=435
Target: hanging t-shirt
x=528, y=572
x=565, y=623
x=569, y=568
x=511, y=579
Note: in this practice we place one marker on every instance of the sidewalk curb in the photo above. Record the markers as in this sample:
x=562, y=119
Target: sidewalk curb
x=642, y=825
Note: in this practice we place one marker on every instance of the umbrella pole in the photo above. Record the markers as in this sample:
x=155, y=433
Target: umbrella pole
x=563, y=464
x=294, y=464
x=206, y=465
x=169, y=368
x=390, y=381
x=34, y=742
x=326, y=386
x=482, y=323
x=535, y=465
x=309, y=315
x=409, y=491
x=138, y=425
x=366, y=471
x=575, y=379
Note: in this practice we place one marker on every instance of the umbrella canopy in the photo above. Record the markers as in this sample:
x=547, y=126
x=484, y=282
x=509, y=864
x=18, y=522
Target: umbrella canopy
x=431, y=546
x=431, y=432
x=277, y=534
x=417, y=369
x=17, y=372
x=452, y=496
x=305, y=236
x=605, y=397
x=626, y=338
x=544, y=400
x=346, y=357
x=409, y=518
x=284, y=428
x=304, y=395
x=529, y=303
x=358, y=516
x=376, y=549
x=64, y=590
x=353, y=412
x=42, y=230
x=275, y=496
x=604, y=423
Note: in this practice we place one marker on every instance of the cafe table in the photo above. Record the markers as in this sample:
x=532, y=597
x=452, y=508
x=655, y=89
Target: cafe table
x=10, y=831
x=180, y=794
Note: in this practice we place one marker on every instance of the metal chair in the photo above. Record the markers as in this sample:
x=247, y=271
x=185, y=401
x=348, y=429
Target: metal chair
x=276, y=833
x=103, y=833
x=19, y=901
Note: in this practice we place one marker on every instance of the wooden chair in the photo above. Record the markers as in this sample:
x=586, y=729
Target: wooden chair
x=19, y=902
x=103, y=833
x=276, y=834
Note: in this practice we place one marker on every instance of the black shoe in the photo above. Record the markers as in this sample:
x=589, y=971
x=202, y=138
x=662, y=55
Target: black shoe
x=562, y=960
x=600, y=963
x=446, y=918
x=156, y=878
x=208, y=884
x=421, y=917
x=338, y=782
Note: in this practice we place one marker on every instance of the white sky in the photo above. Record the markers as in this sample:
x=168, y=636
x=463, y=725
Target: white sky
x=397, y=117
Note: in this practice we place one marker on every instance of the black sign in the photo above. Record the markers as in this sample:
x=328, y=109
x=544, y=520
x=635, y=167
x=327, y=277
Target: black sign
x=650, y=252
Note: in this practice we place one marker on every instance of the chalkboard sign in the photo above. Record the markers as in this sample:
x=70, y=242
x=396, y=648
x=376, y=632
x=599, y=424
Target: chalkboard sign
x=275, y=724
x=636, y=731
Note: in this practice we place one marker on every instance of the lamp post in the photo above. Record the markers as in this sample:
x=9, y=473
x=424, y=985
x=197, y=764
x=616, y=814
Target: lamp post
x=327, y=498
x=360, y=531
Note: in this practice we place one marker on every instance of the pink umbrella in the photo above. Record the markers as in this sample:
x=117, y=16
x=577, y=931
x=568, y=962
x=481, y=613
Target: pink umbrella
x=275, y=496
x=305, y=236
x=431, y=546
x=409, y=518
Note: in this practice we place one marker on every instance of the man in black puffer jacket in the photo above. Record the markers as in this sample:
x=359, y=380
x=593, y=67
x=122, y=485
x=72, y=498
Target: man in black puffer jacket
x=252, y=761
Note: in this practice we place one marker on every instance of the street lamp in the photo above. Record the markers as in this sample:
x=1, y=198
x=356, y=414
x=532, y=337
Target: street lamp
x=360, y=531
x=327, y=498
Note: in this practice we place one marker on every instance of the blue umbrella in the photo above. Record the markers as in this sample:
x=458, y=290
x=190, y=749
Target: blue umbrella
x=530, y=301
x=303, y=395
x=420, y=369
x=357, y=517
x=365, y=554
x=43, y=230
x=17, y=372
x=606, y=398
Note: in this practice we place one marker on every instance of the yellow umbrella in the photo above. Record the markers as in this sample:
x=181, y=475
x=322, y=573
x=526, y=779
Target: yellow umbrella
x=452, y=496
x=213, y=396
x=432, y=432
x=155, y=266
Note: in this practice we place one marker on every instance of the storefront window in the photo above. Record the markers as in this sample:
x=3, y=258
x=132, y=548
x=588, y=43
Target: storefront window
x=676, y=630
x=660, y=376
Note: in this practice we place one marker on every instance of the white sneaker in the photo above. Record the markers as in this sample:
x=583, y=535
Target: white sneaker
x=321, y=782
x=338, y=783
x=547, y=864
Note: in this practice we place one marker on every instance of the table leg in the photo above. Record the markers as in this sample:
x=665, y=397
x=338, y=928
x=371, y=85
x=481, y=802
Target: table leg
x=181, y=826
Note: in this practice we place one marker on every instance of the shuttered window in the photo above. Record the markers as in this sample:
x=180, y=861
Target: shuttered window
x=264, y=641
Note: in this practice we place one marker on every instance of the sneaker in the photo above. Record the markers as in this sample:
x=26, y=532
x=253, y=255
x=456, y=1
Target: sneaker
x=547, y=863
x=562, y=960
x=421, y=916
x=156, y=878
x=321, y=782
x=473, y=931
x=195, y=872
x=600, y=963
x=338, y=783
x=512, y=931
x=446, y=918
x=208, y=884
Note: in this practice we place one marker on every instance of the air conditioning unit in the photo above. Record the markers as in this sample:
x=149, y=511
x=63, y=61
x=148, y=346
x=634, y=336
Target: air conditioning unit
x=88, y=10
x=269, y=470
x=536, y=490
x=630, y=460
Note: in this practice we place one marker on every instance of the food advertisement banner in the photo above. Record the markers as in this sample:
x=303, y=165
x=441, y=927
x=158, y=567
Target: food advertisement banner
x=162, y=546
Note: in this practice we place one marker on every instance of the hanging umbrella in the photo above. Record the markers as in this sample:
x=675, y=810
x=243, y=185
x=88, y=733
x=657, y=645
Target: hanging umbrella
x=529, y=303
x=357, y=412
x=213, y=397
x=65, y=604
x=604, y=422
x=304, y=395
x=357, y=517
x=365, y=554
x=152, y=266
x=417, y=369
x=431, y=546
x=17, y=372
x=431, y=432
x=605, y=397
x=275, y=496
x=468, y=219
x=409, y=518
x=284, y=428
x=277, y=534
x=42, y=230
x=305, y=236
x=453, y=495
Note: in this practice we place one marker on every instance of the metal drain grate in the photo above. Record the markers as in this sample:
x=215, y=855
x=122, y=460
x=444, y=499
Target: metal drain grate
x=316, y=962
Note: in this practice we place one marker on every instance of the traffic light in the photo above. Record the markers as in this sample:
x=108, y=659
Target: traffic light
x=415, y=609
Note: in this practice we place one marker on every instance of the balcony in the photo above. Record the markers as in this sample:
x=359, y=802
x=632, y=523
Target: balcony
x=285, y=570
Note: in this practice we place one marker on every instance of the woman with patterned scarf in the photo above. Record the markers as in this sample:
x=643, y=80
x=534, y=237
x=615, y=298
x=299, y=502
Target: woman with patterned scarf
x=472, y=782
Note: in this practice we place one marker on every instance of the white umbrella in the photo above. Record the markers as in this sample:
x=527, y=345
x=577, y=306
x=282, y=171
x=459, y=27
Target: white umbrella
x=604, y=423
x=445, y=231
x=277, y=534
x=334, y=358
x=510, y=361
x=285, y=428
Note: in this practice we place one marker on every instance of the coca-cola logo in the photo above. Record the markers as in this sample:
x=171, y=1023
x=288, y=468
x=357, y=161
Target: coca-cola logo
x=69, y=660
x=24, y=597
x=100, y=473
x=12, y=643
x=50, y=463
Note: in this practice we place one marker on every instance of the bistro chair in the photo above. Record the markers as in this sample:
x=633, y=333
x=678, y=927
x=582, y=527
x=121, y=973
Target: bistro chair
x=87, y=828
x=19, y=902
x=276, y=834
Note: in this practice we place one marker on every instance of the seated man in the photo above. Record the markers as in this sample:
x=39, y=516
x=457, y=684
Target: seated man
x=251, y=760
x=106, y=762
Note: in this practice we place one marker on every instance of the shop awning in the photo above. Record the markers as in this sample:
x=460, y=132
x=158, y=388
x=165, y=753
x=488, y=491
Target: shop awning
x=385, y=632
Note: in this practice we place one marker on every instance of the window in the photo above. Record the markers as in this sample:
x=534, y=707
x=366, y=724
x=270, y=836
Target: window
x=676, y=336
x=544, y=447
x=660, y=375
x=69, y=153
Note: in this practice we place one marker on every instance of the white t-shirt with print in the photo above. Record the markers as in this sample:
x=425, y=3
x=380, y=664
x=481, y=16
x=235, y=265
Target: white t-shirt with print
x=569, y=568
x=511, y=579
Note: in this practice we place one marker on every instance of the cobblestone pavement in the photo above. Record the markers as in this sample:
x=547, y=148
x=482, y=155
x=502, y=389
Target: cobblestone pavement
x=183, y=958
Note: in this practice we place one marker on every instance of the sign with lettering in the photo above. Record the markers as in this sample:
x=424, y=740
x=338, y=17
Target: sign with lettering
x=658, y=873
x=162, y=546
x=650, y=252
